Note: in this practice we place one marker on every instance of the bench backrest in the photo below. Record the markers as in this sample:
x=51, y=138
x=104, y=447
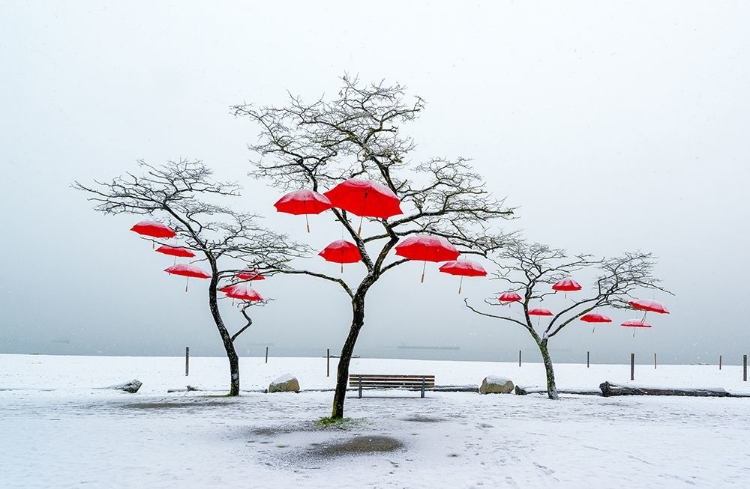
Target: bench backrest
x=385, y=380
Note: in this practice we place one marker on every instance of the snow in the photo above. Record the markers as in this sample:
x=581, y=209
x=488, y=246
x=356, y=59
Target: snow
x=59, y=428
x=282, y=379
x=496, y=379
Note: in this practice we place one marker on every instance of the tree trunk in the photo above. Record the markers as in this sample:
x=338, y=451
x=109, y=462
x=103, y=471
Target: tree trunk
x=342, y=374
x=551, y=387
x=234, y=361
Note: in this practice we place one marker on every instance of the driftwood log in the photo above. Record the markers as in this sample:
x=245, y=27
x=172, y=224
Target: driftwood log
x=522, y=391
x=622, y=390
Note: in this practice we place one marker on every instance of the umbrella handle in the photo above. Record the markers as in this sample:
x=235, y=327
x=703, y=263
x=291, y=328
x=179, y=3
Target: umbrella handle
x=342, y=267
x=308, y=223
x=186, y=283
x=594, y=328
x=359, y=231
x=424, y=265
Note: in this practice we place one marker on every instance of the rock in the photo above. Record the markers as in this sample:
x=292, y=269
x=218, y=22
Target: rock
x=285, y=383
x=131, y=386
x=496, y=385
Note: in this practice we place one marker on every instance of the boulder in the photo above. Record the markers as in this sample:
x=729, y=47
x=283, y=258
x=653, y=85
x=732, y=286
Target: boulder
x=131, y=386
x=285, y=383
x=496, y=385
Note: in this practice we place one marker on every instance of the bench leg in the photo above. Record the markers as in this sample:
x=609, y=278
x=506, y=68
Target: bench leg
x=423, y=382
x=360, y=387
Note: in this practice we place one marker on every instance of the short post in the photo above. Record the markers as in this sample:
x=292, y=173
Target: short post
x=588, y=358
x=632, y=366
x=519, y=358
x=654, y=361
x=744, y=368
x=720, y=362
x=328, y=362
x=423, y=386
x=266, y=354
x=360, y=386
x=187, y=360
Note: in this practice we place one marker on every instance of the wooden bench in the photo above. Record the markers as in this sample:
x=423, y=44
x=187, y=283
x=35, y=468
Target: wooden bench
x=411, y=382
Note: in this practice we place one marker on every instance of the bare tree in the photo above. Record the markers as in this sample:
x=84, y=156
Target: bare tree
x=531, y=269
x=358, y=134
x=179, y=192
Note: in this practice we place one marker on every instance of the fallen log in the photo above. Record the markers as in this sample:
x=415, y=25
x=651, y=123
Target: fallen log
x=522, y=391
x=623, y=390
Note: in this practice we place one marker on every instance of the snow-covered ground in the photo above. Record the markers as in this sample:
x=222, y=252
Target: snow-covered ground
x=59, y=429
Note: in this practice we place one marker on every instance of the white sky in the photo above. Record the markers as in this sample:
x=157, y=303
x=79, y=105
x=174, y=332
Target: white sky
x=614, y=127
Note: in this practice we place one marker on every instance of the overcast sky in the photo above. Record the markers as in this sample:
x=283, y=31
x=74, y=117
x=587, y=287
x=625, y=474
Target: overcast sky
x=612, y=126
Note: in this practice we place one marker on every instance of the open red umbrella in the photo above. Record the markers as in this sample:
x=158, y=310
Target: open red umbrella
x=153, y=229
x=595, y=318
x=566, y=285
x=539, y=311
x=175, y=251
x=365, y=198
x=341, y=251
x=427, y=248
x=187, y=271
x=242, y=292
x=303, y=202
x=251, y=275
x=464, y=268
x=635, y=323
x=649, y=306
x=509, y=297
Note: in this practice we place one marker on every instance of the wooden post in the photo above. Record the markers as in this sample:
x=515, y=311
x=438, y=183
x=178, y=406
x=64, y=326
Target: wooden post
x=654, y=361
x=187, y=360
x=266, y=354
x=328, y=362
x=632, y=366
x=744, y=368
x=720, y=362
x=519, y=358
x=588, y=358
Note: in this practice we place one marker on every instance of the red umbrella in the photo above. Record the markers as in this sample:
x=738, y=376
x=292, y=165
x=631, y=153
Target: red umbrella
x=566, y=285
x=636, y=323
x=251, y=275
x=175, y=251
x=464, y=268
x=427, y=248
x=243, y=292
x=303, y=202
x=153, y=229
x=539, y=312
x=365, y=198
x=649, y=306
x=341, y=251
x=187, y=271
x=509, y=297
x=595, y=318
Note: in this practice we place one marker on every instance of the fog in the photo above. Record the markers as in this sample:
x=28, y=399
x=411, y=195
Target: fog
x=612, y=128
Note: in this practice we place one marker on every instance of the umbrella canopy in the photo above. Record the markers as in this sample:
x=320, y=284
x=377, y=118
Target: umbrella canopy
x=464, y=268
x=365, y=198
x=248, y=274
x=540, y=312
x=175, y=251
x=427, y=248
x=566, y=285
x=187, y=271
x=636, y=323
x=341, y=251
x=649, y=306
x=242, y=291
x=303, y=202
x=153, y=229
x=509, y=297
x=595, y=318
